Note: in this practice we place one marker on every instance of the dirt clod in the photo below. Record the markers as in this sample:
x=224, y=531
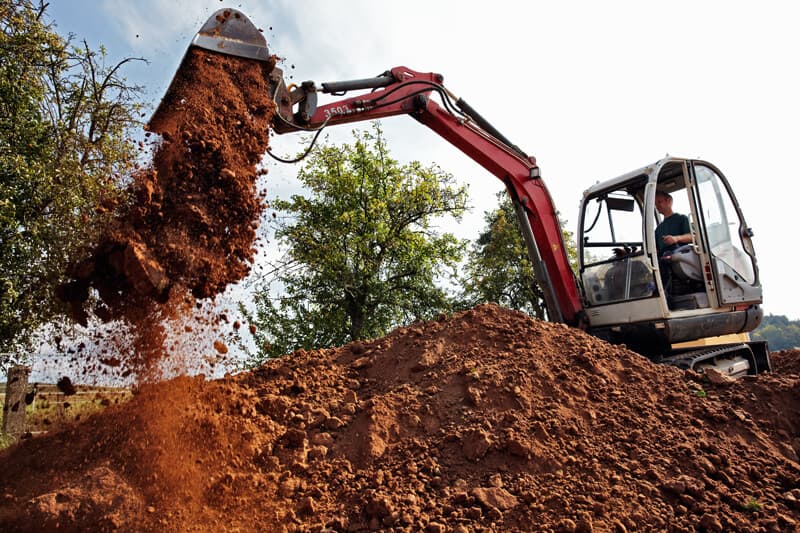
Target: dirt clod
x=65, y=385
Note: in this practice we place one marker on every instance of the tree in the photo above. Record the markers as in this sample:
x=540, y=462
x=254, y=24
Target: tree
x=363, y=253
x=65, y=126
x=779, y=331
x=498, y=268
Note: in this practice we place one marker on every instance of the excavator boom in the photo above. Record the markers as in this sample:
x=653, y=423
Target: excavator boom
x=402, y=91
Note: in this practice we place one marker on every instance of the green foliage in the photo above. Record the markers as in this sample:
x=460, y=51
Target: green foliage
x=498, y=267
x=65, y=119
x=779, y=331
x=752, y=505
x=6, y=441
x=363, y=254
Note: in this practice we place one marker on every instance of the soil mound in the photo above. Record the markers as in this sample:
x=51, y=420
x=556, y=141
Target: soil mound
x=483, y=421
x=786, y=361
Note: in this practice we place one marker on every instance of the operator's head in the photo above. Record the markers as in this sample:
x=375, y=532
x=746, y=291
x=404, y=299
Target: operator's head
x=664, y=203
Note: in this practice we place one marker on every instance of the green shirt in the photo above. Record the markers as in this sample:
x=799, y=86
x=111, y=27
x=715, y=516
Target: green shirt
x=675, y=224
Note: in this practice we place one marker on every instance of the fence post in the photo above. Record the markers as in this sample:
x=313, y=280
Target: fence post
x=14, y=407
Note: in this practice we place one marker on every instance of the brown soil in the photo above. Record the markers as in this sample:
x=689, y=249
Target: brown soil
x=786, y=362
x=191, y=225
x=483, y=421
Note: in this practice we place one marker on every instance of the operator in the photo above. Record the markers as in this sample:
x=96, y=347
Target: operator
x=673, y=231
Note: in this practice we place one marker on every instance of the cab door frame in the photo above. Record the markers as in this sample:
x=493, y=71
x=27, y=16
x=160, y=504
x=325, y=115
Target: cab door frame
x=725, y=285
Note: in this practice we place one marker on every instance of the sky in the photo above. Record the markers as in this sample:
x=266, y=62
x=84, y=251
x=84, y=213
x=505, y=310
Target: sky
x=592, y=89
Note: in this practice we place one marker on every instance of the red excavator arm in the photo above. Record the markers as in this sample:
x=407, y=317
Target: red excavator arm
x=402, y=91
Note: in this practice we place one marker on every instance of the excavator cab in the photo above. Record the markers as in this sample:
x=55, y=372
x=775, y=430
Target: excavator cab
x=653, y=301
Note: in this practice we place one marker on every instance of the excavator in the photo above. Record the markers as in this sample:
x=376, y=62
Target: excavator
x=692, y=309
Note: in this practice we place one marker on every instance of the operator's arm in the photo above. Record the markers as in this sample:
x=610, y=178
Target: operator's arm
x=685, y=238
x=685, y=235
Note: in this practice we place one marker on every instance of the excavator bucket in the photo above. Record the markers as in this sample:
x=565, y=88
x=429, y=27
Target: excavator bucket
x=229, y=32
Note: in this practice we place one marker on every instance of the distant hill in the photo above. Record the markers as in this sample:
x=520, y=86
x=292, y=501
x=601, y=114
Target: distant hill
x=779, y=331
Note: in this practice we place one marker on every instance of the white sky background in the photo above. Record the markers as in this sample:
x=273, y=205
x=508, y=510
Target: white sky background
x=592, y=89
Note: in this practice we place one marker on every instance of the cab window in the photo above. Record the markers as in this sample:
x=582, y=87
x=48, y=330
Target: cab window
x=614, y=267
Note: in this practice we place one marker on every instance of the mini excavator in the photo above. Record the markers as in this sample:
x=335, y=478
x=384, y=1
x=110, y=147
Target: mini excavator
x=692, y=309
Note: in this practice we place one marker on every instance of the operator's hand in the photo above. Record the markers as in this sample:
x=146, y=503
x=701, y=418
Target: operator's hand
x=669, y=240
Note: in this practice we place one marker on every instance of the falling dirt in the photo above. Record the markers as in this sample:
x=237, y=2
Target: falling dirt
x=190, y=229
x=483, y=421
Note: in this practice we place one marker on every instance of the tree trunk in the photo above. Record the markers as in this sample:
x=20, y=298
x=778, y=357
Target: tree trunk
x=355, y=309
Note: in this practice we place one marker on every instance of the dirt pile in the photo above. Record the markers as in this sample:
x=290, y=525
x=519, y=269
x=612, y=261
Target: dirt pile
x=483, y=421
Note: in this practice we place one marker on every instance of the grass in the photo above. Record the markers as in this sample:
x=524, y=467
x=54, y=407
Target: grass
x=52, y=410
x=752, y=505
x=5, y=441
